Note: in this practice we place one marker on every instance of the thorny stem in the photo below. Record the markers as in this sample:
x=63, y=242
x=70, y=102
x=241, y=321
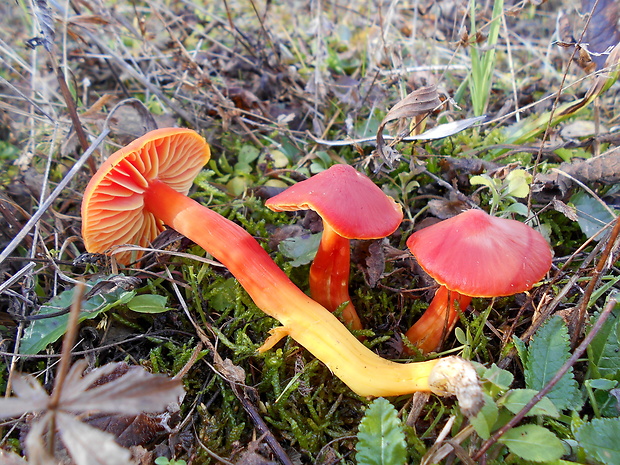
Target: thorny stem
x=544, y=391
x=585, y=299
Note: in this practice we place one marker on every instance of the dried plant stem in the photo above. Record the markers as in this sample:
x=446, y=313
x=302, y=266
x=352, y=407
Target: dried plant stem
x=67, y=345
x=579, y=351
x=70, y=103
x=65, y=363
x=579, y=317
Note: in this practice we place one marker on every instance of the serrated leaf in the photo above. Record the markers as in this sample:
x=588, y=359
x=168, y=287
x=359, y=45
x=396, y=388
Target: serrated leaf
x=380, y=439
x=516, y=399
x=599, y=438
x=148, y=303
x=485, y=419
x=42, y=332
x=521, y=349
x=533, y=442
x=548, y=351
x=604, y=348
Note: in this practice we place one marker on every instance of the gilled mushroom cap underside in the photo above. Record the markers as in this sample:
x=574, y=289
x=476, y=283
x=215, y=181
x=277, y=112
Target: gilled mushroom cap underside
x=480, y=255
x=113, y=210
x=347, y=200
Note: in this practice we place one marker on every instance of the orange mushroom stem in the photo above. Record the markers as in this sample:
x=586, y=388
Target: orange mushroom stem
x=442, y=314
x=140, y=183
x=329, y=276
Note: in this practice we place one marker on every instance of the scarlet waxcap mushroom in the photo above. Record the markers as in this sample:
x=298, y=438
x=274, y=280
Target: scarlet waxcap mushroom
x=134, y=176
x=352, y=207
x=480, y=255
x=113, y=208
x=470, y=255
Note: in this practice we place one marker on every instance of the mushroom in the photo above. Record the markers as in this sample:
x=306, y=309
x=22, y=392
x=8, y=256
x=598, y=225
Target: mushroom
x=470, y=255
x=135, y=192
x=352, y=207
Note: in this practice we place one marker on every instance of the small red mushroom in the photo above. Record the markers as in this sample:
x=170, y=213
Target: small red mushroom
x=142, y=187
x=470, y=255
x=352, y=207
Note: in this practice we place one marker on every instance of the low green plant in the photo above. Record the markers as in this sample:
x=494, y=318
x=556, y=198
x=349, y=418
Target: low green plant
x=504, y=193
x=483, y=58
x=555, y=428
x=166, y=461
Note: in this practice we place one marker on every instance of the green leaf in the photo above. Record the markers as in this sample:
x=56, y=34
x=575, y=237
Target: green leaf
x=42, y=332
x=485, y=180
x=599, y=438
x=516, y=399
x=380, y=439
x=518, y=183
x=548, y=351
x=499, y=378
x=148, y=303
x=604, y=348
x=485, y=419
x=533, y=442
x=592, y=216
x=301, y=249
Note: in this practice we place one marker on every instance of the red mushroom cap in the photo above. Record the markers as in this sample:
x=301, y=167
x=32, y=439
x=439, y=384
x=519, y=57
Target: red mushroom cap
x=113, y=206
x=480, y=255
x=347, y=200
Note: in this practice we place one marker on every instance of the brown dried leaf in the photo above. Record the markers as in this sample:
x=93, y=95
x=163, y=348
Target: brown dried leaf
x=369, y=256
x=568, y=211
x=602, y=33
x=604, y=169
x=129, y=430
x=418, y=102
x=30, y=399
x=88, y=445
x=43, y=13
x=134, y=392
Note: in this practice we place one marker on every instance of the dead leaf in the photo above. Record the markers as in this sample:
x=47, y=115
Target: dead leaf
x=43, y=14
x=112, y=388
x=135, y=392
x=604, y=169
x=568, y=211
x=129, y=430
x=602, y=33
x=370, y=258
x=418, y=102
x=88, y=445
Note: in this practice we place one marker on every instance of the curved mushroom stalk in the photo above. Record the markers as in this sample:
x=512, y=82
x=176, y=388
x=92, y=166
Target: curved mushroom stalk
x=438, y=320
x=132, y=174
x=329, y=276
